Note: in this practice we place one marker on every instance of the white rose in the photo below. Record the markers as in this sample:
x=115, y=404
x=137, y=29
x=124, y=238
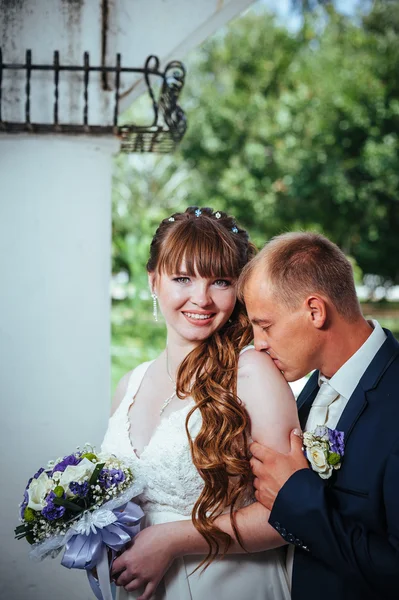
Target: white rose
x=38, y=490
x=317, y=457
x=79, y=473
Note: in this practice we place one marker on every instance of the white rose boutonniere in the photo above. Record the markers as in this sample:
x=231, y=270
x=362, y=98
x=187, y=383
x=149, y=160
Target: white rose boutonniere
x=324, y=450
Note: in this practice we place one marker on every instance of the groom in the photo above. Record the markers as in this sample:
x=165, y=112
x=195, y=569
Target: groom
x=343, y=531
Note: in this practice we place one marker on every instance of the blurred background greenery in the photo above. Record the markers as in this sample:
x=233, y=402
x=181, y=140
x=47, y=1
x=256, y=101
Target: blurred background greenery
x=290, y=127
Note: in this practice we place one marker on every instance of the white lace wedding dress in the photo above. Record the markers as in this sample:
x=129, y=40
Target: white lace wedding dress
x=172, y=488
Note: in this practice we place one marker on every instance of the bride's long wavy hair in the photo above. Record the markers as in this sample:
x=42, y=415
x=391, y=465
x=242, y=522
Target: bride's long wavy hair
x=212, y=245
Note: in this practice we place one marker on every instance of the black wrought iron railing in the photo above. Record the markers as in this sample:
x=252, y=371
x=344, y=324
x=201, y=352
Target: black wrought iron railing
x=162, y=133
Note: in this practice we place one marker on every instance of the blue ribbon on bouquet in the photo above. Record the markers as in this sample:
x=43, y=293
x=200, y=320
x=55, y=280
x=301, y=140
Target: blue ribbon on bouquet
x=90, y=550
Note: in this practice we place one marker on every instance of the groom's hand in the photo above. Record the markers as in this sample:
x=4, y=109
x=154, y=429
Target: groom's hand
x=272, y=469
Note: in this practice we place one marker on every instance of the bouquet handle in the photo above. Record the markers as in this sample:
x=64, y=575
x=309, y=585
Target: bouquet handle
x=102, y=587
x=90, y=550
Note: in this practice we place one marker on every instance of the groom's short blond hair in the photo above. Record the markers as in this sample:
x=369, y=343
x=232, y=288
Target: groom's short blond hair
x=298, y=264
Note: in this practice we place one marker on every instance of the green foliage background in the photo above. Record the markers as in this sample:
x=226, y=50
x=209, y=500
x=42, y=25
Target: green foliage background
x=286, y=131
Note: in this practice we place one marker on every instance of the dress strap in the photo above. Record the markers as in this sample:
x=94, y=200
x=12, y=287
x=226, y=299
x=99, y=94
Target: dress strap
x=136, y=378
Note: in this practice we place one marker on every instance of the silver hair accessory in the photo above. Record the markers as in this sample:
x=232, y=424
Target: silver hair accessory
x=234, y=229
x=198, y=212
x=218, y=215
x=171, y=219
x=154, y=306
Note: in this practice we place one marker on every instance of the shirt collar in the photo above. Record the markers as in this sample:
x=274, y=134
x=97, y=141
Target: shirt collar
x=345, y=380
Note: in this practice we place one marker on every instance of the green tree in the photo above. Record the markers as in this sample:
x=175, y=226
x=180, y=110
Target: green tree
x=301, y=130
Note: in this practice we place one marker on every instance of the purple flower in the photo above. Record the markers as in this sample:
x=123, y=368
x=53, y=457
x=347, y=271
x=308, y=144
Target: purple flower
x=321, y=432
x=109, y=477
x=117, y=476
x=336, y=439
x=51, y=511
x=79, y=489
x=66, y=461
x=24, y=503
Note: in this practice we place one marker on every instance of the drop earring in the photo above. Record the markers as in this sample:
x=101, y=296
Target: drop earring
x=154, y=306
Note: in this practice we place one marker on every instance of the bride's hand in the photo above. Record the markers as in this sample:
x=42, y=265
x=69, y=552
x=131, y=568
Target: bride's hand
x=144, y=562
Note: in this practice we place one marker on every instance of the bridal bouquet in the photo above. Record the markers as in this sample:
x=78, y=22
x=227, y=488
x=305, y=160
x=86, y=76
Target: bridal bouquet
x=81, y=503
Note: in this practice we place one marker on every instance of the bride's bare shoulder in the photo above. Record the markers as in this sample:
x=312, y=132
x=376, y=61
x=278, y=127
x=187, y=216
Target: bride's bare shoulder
x=128, y=379
x=253, y=363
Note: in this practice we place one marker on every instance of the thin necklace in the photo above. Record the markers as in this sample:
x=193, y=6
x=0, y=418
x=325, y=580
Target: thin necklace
x=168, y=400
x=167, y=366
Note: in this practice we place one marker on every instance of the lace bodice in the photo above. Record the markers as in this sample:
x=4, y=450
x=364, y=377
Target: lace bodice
x=172, y=483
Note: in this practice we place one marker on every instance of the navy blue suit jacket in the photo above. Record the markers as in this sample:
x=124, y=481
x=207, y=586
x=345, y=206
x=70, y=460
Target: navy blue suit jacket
x=349, y=524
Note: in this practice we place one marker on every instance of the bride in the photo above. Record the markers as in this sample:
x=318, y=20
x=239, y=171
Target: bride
x=184, y=420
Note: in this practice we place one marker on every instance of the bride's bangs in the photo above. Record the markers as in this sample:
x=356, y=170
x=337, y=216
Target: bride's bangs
x=199, y=251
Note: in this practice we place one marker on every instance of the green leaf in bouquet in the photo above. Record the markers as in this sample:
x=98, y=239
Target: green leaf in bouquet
x=96, y=473
x=90, y=456
x=67, y=504
x=59, y=491
x=29, y=515
x=22, y=531
x=21, y=528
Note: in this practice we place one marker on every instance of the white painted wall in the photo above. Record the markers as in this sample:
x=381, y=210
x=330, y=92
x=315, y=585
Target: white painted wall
x=54, y=328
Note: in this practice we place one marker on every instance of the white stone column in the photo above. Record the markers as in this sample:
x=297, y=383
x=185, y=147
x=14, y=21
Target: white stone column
x=55, y=248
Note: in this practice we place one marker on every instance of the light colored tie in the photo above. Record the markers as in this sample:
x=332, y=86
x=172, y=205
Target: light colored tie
x=318, y=414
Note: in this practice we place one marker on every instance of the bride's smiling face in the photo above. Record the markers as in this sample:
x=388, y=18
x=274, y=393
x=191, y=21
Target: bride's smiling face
x=194, y=307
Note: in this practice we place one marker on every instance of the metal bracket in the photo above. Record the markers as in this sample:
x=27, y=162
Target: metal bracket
x=162, y=134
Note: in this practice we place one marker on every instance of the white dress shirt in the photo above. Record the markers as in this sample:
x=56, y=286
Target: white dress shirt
x=345, y=382
x=348, y=376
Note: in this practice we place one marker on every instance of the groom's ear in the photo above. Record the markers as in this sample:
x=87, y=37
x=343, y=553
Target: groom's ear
x=316, y=307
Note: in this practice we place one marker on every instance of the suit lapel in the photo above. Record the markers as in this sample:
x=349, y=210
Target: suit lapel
x=358, y=401
x=306, y=397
